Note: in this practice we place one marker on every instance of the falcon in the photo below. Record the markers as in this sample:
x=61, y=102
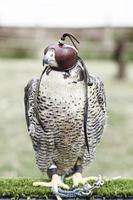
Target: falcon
x=65, y=112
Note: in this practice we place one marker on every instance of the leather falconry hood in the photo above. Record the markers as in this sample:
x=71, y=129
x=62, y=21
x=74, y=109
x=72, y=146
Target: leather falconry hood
x=66, y=56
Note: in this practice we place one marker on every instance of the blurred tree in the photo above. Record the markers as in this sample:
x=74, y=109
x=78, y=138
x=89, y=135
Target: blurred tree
x=119, y=56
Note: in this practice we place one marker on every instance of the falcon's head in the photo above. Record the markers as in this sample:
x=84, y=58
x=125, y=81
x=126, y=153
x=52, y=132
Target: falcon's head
x=60, y=56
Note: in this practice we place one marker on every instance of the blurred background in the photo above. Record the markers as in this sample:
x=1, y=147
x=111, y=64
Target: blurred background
x=105, y=31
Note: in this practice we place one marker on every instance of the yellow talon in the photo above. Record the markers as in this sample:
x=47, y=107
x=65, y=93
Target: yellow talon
x=54, y=184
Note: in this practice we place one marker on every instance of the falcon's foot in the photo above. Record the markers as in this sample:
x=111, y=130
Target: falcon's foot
x=87, y=188
x=78, y=179
x=54, y=184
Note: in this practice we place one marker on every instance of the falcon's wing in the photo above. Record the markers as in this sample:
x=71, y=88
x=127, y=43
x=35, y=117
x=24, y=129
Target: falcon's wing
x=102, y=112
x=97, y=107
x=30, y=115
x=96, y=115
x=29, y=99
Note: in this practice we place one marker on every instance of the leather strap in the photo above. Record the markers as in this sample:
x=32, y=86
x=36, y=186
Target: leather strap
x=36, y=96
x=87, y=83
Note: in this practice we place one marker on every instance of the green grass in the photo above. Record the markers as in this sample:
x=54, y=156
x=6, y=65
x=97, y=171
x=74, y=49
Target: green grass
x=16, y=53
x=23, y=187
x=114, y=154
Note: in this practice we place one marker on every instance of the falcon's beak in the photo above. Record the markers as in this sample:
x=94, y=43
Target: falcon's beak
x=49, y=59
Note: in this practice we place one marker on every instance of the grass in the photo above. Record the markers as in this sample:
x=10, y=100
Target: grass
x=114, y=154
x=16, y=53
x=23, y=187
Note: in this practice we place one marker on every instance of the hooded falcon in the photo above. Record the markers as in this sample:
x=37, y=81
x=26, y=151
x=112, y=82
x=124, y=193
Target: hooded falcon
x=65, y=114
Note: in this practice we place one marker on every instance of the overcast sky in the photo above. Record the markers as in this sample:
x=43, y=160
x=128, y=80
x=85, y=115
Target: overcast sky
x=66, y=13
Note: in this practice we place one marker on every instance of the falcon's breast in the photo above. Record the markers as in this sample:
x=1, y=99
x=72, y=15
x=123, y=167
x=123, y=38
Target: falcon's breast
x=61, y=103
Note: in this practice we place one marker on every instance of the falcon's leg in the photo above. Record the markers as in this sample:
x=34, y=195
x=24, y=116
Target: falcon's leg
x=55, y=182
